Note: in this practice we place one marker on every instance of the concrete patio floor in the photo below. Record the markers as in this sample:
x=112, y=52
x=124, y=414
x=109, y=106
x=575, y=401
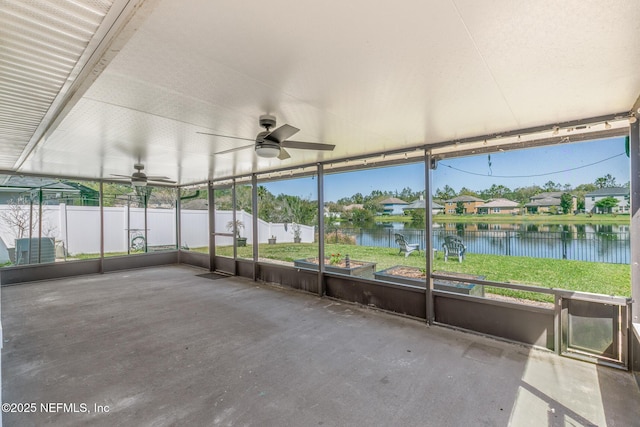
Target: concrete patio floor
x=162, y=346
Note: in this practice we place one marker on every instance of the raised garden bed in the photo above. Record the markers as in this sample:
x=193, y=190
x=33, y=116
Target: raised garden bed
x=416, y=277
x=357, y=268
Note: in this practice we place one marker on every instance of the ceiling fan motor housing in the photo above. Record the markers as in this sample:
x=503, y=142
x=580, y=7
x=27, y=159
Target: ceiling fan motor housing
x=139, y=175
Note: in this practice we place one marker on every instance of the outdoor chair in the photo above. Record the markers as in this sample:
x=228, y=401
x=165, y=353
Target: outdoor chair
x=405, y=247
x=453, y=246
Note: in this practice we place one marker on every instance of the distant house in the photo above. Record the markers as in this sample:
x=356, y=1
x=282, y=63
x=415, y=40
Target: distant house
x=338, y=214
x=499, y=206
x=436, y=208
x=88, y=196
x=393, y=206
x=421, y=204
x=547, y=195
x=54, y=192
x=329, y=213
x=353, y=206
x=619, y=193
x=543, y=202
x=470, y=204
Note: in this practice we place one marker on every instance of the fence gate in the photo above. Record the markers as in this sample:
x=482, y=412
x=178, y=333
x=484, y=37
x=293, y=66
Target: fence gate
x=594, y=330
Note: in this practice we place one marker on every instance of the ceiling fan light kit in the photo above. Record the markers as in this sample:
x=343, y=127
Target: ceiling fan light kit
x=267, y=149
x=139, y=178
x=138, y=182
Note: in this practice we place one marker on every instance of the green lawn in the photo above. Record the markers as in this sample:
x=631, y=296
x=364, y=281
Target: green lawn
x=600, y=278
x=393, y=218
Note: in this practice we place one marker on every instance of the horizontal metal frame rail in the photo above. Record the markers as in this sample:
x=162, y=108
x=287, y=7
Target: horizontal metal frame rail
x=16, y=275
x=489, y=301
x=605, y=299
x=559, y=295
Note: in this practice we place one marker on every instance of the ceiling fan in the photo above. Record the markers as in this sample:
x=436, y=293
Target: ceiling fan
x=272, y=143
x=140, y=179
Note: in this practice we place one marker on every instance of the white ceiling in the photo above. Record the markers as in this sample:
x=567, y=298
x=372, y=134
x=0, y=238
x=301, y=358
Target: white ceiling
x=365, y=78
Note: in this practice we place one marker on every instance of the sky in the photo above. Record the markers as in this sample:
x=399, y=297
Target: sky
x=512, y=169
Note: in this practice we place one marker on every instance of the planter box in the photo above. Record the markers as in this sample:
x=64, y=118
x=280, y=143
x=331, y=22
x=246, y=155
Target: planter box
x=360, y=269
x=441, y=285
x=241, y=241
x=272, y=241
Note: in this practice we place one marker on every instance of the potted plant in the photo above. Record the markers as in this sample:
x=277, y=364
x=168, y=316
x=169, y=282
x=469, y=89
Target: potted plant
x=237, y=225
x=296, y=233
x=272, y=240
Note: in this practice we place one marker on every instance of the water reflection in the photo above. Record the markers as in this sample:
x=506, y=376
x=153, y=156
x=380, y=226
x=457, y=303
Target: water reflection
x=608, y=243
x=574, y=229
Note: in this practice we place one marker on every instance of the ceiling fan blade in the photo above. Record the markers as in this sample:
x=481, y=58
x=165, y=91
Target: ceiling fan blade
x=122, y=176
x=226, y=136
x=167, y=181
x=284, y=155
x=157, y=178
x=235, y=149
x=307, y=145
x=283, y=132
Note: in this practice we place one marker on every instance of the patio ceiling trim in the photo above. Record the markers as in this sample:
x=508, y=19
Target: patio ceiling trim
x=498, y=142
x=383, y=159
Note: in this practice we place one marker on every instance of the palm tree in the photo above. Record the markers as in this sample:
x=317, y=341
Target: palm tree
x=236, y=225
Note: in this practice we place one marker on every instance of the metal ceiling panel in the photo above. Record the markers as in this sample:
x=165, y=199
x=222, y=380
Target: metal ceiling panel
x=353, y=74
x=558, y=61
x=40, y=44
x=367, y=79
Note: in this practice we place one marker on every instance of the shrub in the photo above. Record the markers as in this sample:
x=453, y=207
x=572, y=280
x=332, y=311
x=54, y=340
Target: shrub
x=338, y=236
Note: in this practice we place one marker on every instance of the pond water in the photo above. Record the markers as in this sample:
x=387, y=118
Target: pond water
x=608, y=243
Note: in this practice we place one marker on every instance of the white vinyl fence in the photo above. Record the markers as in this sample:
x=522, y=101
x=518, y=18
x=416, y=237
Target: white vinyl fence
x=77, y=228
x=266, y=230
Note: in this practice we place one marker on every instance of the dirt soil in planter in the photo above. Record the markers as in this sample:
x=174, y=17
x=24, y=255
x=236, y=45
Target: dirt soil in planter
x=409, y=272
x=419, y=274
x=340, y=264
x=415, y=273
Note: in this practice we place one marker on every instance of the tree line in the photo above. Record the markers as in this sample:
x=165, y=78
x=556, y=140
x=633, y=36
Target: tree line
x=303, y=210
x=522, y=195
